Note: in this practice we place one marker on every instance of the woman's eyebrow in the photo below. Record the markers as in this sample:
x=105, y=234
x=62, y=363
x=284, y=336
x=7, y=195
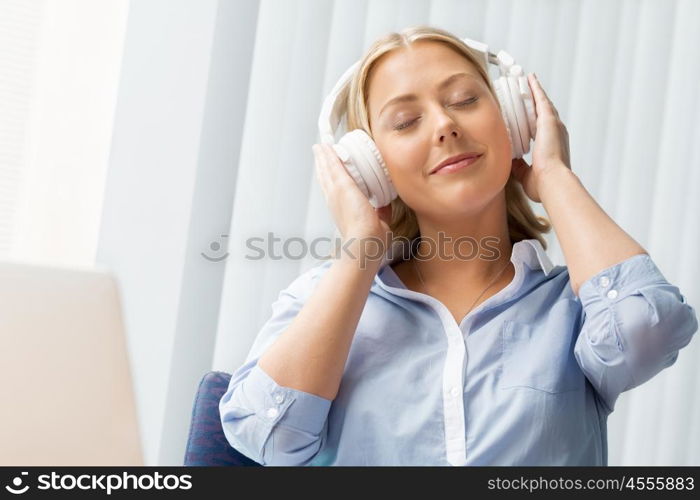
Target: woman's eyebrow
x=413, y=97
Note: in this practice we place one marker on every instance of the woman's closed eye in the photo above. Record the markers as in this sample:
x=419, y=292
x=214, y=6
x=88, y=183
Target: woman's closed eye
x=407, y=124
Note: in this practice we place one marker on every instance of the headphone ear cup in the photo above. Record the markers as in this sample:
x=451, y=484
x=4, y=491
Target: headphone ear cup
x=519, y=92
x=346, y=158
x=529, y=104
x=377, y=163
x=504, y=99
x=369, y=164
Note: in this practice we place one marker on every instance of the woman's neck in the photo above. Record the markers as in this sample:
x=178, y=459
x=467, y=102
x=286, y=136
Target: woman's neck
x=463, y=250
x=467, y=260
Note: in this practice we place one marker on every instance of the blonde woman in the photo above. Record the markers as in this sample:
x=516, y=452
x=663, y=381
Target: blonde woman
x=484, y=354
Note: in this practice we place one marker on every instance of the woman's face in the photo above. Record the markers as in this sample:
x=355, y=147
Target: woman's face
x=415, y=135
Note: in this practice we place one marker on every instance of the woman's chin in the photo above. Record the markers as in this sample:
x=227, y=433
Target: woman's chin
x=464, y=197
x=461, y=190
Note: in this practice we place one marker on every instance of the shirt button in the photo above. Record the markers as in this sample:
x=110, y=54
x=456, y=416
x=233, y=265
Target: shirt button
x=279, y=398
x=455, y=391
x=612, y=294
x=604, y=281
x=272, y=412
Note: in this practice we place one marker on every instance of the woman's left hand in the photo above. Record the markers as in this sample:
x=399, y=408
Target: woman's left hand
x=551, y=149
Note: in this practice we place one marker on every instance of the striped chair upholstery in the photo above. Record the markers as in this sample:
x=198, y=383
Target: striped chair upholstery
x=207, y=444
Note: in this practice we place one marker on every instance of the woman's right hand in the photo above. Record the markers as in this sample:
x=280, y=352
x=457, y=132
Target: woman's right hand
x=354, y=216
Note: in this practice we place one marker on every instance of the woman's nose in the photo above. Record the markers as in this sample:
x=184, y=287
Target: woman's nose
x=452, y=132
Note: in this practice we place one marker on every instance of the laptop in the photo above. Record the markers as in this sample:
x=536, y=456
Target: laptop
x=66, y=394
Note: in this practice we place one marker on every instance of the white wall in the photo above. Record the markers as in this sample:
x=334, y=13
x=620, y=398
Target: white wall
x=168, y=195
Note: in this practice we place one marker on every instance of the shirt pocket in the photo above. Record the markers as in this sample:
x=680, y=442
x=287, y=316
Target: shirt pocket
x=540, y=356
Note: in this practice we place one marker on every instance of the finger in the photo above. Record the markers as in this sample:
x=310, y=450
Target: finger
x=331, y=174
x=537, y=89
x=543, y=104
x=335, y=168
x=331, y=161
x=321, y=170
x=327, y=168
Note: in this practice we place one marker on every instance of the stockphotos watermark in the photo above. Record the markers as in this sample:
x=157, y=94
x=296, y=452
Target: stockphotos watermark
x=100, y=482
x=274, y=247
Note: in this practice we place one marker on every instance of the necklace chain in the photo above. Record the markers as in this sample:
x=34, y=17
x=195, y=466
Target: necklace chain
x=420, y=277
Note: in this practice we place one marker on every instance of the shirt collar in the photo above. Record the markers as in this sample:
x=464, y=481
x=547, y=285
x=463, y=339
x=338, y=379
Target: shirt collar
x=529, y=251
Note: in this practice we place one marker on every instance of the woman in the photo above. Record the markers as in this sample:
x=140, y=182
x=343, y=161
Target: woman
x=493, y=358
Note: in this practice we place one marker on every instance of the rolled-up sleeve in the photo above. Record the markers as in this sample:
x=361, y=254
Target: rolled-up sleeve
x=634, y=324
x=269, y=423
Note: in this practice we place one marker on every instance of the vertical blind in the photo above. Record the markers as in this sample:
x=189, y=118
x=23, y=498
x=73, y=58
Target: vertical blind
x=624, y=79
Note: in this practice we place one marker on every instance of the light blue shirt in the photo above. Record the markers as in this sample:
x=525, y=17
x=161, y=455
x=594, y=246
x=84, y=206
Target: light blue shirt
x=527, y=378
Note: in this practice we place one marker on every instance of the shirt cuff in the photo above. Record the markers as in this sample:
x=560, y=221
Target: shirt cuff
x=620, y=280
x=286, y=406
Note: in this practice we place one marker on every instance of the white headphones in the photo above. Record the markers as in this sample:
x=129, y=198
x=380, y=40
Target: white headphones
x=365, y=164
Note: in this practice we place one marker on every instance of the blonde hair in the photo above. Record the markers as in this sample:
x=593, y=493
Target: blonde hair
x=522, y=221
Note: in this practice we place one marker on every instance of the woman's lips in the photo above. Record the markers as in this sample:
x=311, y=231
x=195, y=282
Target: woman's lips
x=453, y=167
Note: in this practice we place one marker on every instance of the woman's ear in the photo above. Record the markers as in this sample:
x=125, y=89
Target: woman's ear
x=519, y=169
